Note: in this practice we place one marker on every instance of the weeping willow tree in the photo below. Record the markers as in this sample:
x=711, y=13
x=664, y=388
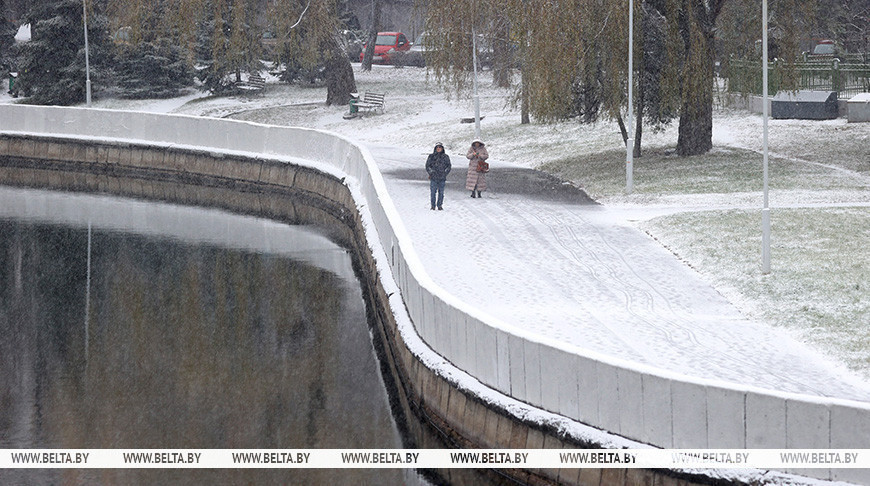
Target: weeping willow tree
x=449, y=48
x=572, y=56
x=311, y=45
x=739, y=33
x=657, y=75
x=673, y=65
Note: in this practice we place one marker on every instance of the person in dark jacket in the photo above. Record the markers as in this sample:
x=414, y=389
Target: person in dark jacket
x=438, y=166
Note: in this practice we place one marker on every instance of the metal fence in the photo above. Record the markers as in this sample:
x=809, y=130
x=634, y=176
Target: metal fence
x=847, y=79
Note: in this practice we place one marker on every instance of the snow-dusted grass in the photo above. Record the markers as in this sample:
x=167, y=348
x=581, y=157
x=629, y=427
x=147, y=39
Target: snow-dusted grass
x=819, y=287
x=820, y=280
x=725, y=170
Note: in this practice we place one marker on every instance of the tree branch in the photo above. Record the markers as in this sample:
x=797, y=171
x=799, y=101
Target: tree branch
x=300, y=16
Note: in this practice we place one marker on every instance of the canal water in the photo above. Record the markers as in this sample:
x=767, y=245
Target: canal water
x=126, y=324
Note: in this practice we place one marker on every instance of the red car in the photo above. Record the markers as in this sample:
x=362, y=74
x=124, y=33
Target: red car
x=387, y=46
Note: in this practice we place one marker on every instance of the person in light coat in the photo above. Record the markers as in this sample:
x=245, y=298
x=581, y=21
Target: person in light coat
x=475, y=181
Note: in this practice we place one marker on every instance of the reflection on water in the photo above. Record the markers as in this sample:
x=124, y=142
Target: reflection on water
x=184, y=346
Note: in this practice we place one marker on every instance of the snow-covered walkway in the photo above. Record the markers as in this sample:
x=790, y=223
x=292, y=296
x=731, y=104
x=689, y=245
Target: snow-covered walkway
x=546, y=260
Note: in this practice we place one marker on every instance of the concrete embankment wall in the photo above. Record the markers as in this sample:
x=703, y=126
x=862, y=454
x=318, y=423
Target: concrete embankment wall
x=431, y=334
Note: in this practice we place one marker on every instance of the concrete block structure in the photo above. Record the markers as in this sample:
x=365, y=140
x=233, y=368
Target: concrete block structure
x=859, y=108
x=804, y=105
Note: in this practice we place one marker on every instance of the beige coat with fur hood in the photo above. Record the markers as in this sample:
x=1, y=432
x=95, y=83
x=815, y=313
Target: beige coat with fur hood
x=475, y=178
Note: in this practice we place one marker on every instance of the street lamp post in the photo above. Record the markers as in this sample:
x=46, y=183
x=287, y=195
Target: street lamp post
x=476, y=94
x=629, y=142
x=87, y=59
x=765, y=212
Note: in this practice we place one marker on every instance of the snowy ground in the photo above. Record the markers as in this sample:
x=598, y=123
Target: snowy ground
x=585, y=274
x=572, y=272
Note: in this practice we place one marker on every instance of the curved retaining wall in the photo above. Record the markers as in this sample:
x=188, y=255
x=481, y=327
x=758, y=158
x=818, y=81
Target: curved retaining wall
x=641, y=403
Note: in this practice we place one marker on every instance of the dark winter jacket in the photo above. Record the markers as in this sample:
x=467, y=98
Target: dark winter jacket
x=438, y=166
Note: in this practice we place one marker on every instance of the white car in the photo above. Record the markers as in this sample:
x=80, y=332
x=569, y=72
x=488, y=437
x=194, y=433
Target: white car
x=415, y=55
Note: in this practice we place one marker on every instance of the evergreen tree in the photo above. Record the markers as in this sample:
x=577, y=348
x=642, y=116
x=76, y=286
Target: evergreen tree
x=149, y=70
x=53, y=64
x=8, y=29
x=7, y=33
x=209, y=70
x=152, y=50
x=230, y=45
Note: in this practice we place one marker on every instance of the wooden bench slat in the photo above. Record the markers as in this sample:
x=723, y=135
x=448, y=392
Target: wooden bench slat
x=371, y=101
x=255, y=82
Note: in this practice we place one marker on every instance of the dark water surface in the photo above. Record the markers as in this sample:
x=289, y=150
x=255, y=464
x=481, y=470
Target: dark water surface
x=181, y=328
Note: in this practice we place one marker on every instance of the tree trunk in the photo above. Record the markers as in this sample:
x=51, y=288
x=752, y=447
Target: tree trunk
x=502, y=58
x=641, y=105
x=638, y=134
x=524, y=97
x=696, y=113
x=622, y=129
x=696, y=128
x=340, y=82
x=373, y=36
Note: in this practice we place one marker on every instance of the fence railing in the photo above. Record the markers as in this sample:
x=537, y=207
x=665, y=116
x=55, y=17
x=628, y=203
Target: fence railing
x=847, y=79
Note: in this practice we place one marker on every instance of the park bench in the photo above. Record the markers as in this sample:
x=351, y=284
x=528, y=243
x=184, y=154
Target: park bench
x=371, y=102
x=255, y=84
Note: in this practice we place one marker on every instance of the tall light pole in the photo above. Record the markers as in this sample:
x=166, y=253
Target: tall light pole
x=765, y=212
x=629, y=142
x=87, y=59
x=476, y=94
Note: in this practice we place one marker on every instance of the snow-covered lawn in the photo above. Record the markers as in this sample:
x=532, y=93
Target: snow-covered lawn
x=704, y=209
x=820, y=281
